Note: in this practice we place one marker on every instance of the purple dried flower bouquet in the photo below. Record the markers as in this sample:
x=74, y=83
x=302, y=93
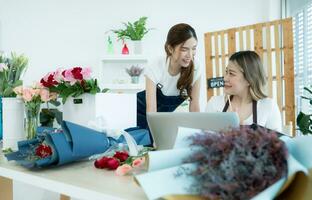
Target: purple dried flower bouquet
x=134, y=70
x=236, y=164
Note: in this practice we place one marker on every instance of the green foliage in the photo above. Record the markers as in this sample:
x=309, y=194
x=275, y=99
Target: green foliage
x=11, y=71
x=7, y=150
x=304, y=121
x=47, y=116
x=133, y=31
x=65, y=89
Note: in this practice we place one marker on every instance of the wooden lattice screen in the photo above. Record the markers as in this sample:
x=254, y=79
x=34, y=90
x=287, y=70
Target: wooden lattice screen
x=273, y=41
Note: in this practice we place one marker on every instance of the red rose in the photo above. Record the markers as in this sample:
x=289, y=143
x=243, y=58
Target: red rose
x=101, y=163
x=106, y=162
x=76, y=71
x=112, y=163
x=43, y=151
x=121, y=155
x=48, y=81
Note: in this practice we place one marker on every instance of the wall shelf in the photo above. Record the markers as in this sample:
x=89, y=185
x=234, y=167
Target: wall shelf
x=124, y=58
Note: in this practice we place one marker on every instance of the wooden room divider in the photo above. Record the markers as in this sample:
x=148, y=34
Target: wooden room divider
x=273, y=41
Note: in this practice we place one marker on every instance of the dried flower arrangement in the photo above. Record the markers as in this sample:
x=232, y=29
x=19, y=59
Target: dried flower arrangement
x=134, y=70
x=236, y=164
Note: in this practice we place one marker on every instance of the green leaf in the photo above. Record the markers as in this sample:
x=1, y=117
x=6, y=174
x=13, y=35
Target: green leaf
x=133, y=31
x=304, y=123
x=307, y=89
x=105, y=90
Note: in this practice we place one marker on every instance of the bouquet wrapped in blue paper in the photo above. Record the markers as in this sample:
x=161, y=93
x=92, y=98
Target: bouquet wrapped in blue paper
x=70, y=143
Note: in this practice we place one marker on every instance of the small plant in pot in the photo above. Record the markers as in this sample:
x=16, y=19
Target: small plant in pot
x=134, y=72
x=135, y=32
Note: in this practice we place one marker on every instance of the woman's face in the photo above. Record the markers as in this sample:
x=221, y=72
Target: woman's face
x=234, y=80
x=184, y=53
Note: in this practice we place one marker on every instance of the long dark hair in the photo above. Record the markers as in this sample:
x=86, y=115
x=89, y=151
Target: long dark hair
x=252, y=68
x=178, y=34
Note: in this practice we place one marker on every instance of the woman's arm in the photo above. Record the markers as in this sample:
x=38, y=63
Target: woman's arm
x=151, y=100
x=194, y=103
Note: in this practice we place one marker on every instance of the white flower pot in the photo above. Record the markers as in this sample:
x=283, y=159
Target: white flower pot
x=79, y=110
x=13, y=122
x=118, y=110
x=137, y=46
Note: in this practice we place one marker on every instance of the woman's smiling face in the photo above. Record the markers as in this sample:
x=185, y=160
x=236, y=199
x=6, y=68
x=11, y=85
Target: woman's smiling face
x=234, y=80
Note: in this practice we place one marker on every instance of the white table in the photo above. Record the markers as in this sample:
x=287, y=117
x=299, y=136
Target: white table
x=78, y=180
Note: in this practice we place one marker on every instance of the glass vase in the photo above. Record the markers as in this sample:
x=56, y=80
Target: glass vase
x=32, y=119
x=135, y=79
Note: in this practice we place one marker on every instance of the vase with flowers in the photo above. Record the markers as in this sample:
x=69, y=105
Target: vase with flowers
x=33, y=97
x=134, y=72
x=12, y=68
x=77, y=90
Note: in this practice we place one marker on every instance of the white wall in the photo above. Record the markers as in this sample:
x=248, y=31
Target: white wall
x=64, y=33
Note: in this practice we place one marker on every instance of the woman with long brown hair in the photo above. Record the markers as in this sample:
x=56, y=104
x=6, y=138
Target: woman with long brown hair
x=172, y=79
x=244, y=84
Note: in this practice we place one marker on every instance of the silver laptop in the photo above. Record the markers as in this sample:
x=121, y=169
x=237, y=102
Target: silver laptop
x=164, y=125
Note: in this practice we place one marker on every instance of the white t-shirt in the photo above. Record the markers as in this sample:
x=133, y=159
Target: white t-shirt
x=157, y=71
x=268, y=114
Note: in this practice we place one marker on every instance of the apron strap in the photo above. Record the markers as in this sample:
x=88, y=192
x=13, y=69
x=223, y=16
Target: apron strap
x=226, y=106
x=254, y=109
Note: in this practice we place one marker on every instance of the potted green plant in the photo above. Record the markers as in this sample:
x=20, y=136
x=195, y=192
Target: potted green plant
x=135, y=32
x=12, y=109
x=304, y=121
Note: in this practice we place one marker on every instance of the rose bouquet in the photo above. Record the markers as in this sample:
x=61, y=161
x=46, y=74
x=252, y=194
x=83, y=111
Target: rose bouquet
x=122, y=162
x=72, y=142
x=71, y=82
x=11, y=70
x=33, y=97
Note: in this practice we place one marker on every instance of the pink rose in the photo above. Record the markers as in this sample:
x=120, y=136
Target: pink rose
x=123, y=170
x=44, y=95
x=18, y=90
x=27, y=95
x=138, y=162
x=69, y=77
x=53, y=95
x=35, y=92
x=58, y=77
x=86, y=73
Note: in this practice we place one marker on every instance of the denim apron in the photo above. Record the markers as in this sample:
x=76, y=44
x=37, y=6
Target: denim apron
x=164, y=104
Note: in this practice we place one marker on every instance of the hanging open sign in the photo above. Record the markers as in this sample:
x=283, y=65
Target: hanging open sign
x=215, y=82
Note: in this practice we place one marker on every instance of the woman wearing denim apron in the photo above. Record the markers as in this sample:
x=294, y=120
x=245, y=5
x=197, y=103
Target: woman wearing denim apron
x=244, y=83
x=172, y=79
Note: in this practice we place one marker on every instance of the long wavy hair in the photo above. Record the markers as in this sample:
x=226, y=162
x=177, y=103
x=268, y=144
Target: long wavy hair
x=178, y=34
x=252, y=68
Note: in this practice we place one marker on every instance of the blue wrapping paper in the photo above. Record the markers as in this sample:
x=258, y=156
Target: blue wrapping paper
x=73, y=142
